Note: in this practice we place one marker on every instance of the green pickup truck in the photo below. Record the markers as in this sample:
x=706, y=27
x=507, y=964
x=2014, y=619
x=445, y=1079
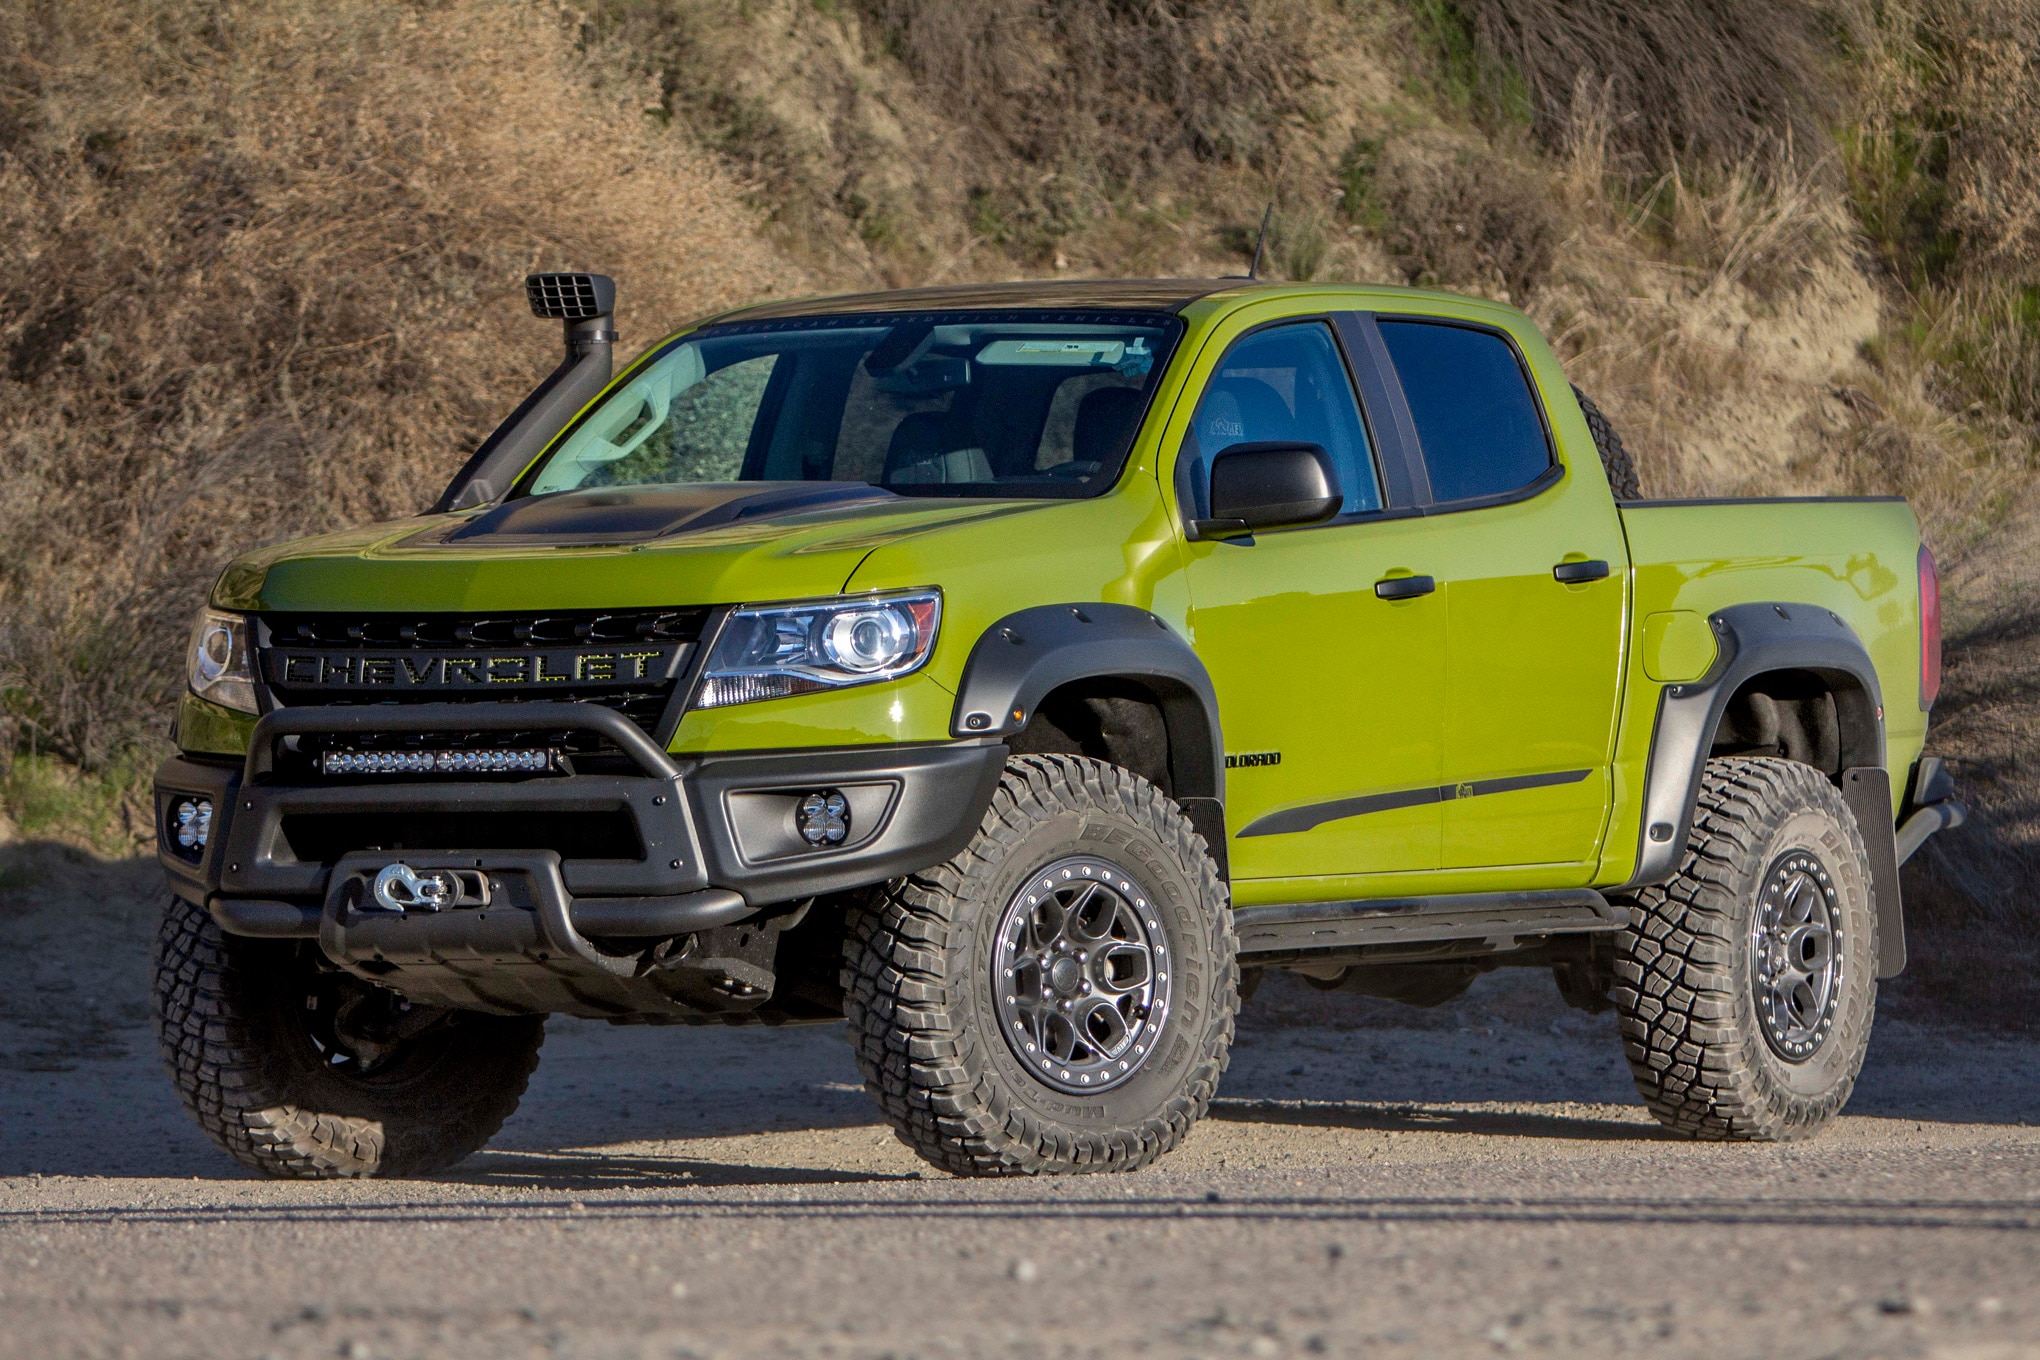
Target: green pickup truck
x=1018, y=673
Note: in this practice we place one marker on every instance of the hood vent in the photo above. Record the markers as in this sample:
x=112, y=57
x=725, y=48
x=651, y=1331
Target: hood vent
x=643, y=513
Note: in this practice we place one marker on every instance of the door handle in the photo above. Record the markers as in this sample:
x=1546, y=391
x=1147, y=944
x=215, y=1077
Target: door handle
x=1578, y=573
x=1404, y=587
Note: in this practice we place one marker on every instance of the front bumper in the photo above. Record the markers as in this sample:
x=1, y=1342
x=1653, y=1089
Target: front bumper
x=683, y=842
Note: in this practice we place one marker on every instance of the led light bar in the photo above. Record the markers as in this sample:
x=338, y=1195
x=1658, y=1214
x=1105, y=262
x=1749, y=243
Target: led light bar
x=529, y=760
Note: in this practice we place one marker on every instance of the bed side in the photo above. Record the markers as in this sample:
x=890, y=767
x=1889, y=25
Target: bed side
x=1855, y=559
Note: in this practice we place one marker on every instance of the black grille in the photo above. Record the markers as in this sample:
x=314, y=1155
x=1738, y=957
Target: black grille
x=485, y=632
x=637, y=656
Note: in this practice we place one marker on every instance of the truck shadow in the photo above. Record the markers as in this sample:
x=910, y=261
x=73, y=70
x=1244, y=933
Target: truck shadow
x=595, y=1171
x=1414, y=1118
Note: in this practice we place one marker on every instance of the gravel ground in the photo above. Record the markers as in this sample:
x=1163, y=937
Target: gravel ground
x=1476, y=1180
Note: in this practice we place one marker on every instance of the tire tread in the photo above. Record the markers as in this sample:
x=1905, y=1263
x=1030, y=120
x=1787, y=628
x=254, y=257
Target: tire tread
x=1676, y=991
x=902, y=1008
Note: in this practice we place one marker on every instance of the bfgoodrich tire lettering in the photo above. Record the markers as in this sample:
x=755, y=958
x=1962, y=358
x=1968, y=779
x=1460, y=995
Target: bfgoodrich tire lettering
x=232, y=1024
x=1692, y=967
x=919, y=964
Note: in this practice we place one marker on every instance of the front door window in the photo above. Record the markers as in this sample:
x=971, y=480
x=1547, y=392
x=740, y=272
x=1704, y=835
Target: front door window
x=1287, y=385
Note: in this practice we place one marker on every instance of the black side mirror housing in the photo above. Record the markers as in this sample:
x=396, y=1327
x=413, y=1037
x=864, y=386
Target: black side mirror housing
x=1278, y=485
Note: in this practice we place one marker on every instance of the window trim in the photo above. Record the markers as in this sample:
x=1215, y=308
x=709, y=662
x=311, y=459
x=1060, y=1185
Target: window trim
x=1388, y=509
x=1554, y=472
x=1409, y=480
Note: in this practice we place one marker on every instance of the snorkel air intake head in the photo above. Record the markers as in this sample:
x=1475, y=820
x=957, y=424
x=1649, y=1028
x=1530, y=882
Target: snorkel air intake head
x=585, y=304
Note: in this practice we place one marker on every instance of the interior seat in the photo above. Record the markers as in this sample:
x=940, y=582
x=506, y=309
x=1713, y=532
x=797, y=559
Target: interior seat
x=1105, y=420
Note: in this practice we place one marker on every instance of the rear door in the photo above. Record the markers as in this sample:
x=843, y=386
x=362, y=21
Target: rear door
x=1535, y=586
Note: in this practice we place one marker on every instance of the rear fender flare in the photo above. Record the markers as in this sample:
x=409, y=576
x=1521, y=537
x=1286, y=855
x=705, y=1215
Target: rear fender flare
x=1750, y=640
x=1754, y=640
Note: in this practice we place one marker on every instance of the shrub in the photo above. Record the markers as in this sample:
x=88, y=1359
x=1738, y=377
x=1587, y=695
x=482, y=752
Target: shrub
x=1715, y=79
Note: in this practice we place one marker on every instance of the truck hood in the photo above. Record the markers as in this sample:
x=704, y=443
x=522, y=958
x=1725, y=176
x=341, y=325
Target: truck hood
x=722, y=543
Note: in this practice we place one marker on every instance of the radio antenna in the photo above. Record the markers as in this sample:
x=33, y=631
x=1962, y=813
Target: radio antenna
x=1261, y=241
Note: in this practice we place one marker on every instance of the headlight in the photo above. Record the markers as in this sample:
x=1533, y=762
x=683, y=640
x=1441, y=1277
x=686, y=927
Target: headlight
x=777, y=650
x=220, y=666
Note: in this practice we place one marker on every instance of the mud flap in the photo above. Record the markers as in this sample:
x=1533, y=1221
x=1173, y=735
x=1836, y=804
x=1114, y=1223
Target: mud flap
x=1867, y=791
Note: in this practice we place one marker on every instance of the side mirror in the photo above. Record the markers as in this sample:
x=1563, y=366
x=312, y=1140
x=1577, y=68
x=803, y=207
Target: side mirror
x=1269, y=486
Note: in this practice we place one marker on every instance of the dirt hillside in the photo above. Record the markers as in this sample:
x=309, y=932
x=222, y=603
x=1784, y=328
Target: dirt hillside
x=262, y=264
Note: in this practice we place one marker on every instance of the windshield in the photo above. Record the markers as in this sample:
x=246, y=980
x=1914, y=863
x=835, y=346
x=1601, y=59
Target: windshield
x=980, y=404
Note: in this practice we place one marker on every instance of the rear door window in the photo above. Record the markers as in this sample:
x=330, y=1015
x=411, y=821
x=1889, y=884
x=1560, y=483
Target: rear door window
x=1471, y=402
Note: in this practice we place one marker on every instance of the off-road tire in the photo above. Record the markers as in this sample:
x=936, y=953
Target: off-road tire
x=230, y=1024
x=1615, y=459
x=921, y=1010
x=1684, y=991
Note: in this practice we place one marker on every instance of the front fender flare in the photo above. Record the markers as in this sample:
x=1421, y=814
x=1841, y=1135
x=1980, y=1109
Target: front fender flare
x=1026, y=656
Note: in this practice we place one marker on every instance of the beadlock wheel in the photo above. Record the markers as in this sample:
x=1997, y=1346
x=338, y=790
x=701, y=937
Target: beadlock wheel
x=1081, y=974
x=1796, y=939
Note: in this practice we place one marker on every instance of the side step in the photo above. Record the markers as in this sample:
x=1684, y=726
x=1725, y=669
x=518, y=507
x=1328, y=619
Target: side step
x=1333, y=932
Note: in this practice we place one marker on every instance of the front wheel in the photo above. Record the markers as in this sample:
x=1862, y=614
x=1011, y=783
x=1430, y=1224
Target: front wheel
x=1058, y=997
x=1746, y=985
x=302, y=1072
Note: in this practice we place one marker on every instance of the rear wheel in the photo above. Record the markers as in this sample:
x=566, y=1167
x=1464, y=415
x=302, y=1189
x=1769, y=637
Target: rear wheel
x=1746, y=985
x=1060, y=996
x=300, y=1071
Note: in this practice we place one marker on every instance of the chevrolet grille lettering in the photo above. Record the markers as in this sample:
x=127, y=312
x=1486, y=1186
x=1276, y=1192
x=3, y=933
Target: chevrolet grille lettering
x=414, y=671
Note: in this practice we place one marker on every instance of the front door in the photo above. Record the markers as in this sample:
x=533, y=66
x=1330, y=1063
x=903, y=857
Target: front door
x=1536, y=599
x=1331, y=696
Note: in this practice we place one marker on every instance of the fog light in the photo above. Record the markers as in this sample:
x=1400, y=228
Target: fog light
x=823, y=818
x=193, y=822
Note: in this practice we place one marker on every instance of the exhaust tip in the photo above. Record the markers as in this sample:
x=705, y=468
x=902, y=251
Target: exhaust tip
x=570, y=297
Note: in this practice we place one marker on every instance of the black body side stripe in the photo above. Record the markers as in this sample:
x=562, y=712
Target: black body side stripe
x=1291, y=820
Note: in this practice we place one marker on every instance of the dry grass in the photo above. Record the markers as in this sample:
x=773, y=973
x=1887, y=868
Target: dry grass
x=1454, y=214
x=926, y=141
x=263, y=264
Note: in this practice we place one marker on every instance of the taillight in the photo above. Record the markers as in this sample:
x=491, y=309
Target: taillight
x=1930, y=629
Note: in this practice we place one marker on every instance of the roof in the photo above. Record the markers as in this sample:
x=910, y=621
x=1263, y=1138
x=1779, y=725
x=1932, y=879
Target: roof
x=1108, y=295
